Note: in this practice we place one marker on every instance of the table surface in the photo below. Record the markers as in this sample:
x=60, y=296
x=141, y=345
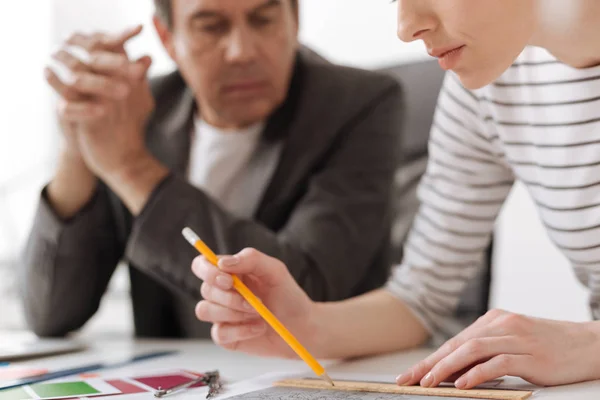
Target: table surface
x=201, y=355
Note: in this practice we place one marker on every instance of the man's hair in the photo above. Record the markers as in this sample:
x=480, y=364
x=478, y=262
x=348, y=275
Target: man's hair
x=164, y=10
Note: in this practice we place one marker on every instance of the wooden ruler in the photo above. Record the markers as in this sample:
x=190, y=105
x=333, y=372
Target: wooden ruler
x=349, y=386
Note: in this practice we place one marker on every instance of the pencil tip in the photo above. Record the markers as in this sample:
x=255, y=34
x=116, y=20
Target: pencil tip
x=327, y=379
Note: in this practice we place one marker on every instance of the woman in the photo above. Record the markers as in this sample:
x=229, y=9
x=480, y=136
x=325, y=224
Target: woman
x=508, y=111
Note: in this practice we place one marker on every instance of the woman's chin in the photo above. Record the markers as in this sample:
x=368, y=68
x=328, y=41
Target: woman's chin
x=476, y=78
x=477, y=75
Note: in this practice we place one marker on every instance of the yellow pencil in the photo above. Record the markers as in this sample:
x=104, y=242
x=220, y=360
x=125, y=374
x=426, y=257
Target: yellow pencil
x=264, y=312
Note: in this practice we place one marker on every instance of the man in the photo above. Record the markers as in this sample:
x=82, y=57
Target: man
x=252, y=142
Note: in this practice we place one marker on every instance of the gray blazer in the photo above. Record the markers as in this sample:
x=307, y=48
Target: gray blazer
x=325, y=211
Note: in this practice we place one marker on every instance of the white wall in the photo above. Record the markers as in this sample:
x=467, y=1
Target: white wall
x=360, y=33
x=354, y=32
x=27, y=135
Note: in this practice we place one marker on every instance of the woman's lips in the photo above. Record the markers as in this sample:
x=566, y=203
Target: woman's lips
x=448, y=58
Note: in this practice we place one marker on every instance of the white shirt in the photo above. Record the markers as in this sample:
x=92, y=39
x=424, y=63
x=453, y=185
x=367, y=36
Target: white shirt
x=539, y=123
x=217, y=160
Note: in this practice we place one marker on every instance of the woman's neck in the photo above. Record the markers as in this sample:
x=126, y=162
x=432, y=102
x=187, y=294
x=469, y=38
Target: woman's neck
x=569, y=30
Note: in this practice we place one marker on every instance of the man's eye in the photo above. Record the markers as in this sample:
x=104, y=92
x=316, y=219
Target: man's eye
x=217, y=28
x=259, y=21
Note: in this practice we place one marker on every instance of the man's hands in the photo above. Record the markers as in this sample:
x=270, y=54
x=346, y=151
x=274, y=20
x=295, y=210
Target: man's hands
x=500, y=343
x=105, y=101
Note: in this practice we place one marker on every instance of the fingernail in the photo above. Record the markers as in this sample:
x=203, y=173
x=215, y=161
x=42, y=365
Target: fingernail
x=247, y=306
x=196, y=265
x=225, y=281
x=404, y=378
x=428, y=380
x=229, y=261
x=461, y=383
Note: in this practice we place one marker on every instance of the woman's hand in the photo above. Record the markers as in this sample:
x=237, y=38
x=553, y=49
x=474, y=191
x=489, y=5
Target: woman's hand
x=237, y=326
x=543, y=352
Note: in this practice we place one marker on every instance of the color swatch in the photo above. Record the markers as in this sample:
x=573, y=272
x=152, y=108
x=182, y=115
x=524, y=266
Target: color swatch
x=65, y=389
x=97, y=387
x=167, y=381
x=60, y=390
x=126, y=387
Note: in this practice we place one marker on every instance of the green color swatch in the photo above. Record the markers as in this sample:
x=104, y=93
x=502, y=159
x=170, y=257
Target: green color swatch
x=14, y=394
x=64, y=389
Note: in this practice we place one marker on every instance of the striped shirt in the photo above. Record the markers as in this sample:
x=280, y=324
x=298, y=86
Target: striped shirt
x=538, y=123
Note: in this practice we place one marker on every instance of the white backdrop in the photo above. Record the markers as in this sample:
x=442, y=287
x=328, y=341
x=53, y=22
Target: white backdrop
x=530, y=276
x=354, y=32
x=27, y=135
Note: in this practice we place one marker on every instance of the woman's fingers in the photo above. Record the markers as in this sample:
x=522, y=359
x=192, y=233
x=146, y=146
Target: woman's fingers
x=226, y=298
x=269, y=270
x=497, y=367
x=210, y=274
x=216, y=313
x=416, y=373
x=230, y=335
x=471, y=353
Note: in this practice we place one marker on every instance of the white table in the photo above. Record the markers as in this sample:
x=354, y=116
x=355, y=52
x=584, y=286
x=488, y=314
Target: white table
x=203, y=356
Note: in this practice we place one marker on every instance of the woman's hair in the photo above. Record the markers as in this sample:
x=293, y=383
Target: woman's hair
x=164, y=10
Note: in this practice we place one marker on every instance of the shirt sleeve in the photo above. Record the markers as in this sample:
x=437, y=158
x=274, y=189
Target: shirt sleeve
x=461, y=193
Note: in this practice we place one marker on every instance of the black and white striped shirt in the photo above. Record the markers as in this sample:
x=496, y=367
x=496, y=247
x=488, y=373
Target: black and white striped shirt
x=538, y=123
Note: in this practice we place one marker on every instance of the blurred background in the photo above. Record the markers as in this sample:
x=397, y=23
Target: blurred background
x=358, y=33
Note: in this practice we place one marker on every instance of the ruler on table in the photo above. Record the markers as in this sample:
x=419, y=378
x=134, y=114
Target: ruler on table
x=351, y=386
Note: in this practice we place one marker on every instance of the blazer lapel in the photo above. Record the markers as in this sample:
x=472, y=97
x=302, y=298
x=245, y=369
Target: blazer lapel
x=304, y=138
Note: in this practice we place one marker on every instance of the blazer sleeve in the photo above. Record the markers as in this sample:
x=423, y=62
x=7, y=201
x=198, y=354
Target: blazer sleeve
x=67, y=265
x=332, y=236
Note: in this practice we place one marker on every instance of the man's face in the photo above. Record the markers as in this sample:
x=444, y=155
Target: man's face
x=486, y=35
x=236, y=55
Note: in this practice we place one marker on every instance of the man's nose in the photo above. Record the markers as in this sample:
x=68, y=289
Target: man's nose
x=241, y=46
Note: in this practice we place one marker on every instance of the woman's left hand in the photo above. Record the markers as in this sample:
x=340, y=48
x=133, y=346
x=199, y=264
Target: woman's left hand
x=500, y=343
